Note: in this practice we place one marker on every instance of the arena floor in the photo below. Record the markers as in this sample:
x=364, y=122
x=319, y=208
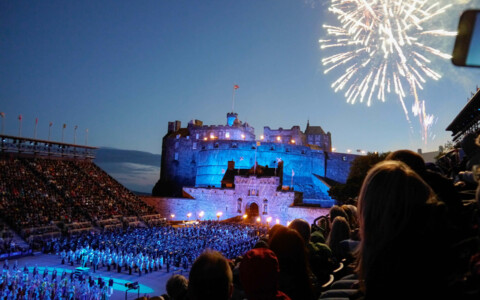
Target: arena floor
x=151, y=284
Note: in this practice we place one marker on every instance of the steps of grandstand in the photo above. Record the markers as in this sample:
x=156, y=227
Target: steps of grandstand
x=11, y=244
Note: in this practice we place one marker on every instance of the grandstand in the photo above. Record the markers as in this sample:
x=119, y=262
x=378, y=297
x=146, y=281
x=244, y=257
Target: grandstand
x=48, y=189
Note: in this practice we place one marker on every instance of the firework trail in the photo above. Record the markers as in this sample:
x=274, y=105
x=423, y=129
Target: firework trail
x=378, y=47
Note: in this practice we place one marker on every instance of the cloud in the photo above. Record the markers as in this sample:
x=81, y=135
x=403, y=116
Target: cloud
x=136, y=170
x=110, y=155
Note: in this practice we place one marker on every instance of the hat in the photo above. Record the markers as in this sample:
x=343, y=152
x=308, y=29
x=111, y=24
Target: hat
x=259, y=274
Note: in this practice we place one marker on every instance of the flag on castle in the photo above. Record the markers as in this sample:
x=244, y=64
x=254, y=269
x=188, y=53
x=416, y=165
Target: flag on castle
x=293, y=173
x=236, y=86
x=2, y=114
x=20, y=117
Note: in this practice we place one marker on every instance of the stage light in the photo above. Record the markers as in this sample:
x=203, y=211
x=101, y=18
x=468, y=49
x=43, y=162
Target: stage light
x=201, y=214
x=262, y=137
x=258, y=219
x=245, y=216
x=278, y=221
x=172, y=215
x=279, y=139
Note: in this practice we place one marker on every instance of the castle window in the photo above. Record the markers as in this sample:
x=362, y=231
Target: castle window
x=194, y=146
x=265, y=206
x=234, y=145
x=227, y=135
x=176, y=145
x=303, y=151
x=239, y=205
x=176, y=155
x=272, y=148
x=197, y=136
x=216, y=145
x=178, y=136
x=344, y=158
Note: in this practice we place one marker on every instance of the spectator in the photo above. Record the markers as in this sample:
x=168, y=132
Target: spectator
x=303, y=228
x=442, y=186
x=210, y=277
x=401, y=254
x=259, y=273
x=340, y=232
x=177, y=287
x=295, y=275
x=320, y=256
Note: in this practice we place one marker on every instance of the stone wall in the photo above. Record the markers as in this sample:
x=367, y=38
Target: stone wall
x=218, y=200
x=191, y=162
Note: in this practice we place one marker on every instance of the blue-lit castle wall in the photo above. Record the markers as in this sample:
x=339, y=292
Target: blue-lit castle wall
x=198, y=155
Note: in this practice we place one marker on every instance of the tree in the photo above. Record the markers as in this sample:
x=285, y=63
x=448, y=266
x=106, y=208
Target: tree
x=344, y=193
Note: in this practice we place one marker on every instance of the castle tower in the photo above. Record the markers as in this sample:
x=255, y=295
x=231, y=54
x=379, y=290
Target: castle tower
x=231, y=117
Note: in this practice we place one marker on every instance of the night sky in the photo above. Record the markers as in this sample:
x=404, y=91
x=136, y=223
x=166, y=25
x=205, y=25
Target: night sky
x=123, y=69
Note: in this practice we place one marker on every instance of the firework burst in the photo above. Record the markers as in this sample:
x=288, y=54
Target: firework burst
x=379, y=49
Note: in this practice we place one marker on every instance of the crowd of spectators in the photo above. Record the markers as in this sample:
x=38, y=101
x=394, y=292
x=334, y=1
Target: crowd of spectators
x=37, y=194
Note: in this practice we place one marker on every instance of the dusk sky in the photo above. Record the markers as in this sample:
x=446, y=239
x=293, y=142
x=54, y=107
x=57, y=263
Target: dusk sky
x=124, y=69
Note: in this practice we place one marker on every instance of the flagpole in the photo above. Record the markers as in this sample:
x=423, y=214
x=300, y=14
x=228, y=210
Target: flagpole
x=63, y=130
x=255, y=163
x=35, y=131
x=75, y=134
x=49, y=130
x=233, y=98
x=291, y=184
x=235, y=86
x=20, y=125
x=2, y=114
x=86, y=136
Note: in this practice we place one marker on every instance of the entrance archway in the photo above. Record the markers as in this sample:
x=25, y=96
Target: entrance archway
x=252, y=209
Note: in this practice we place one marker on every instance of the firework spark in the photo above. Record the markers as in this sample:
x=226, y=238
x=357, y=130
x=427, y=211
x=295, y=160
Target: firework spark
x=380, y=51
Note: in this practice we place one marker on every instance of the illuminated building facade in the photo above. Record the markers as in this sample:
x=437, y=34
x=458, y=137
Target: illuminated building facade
x=300, y=165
